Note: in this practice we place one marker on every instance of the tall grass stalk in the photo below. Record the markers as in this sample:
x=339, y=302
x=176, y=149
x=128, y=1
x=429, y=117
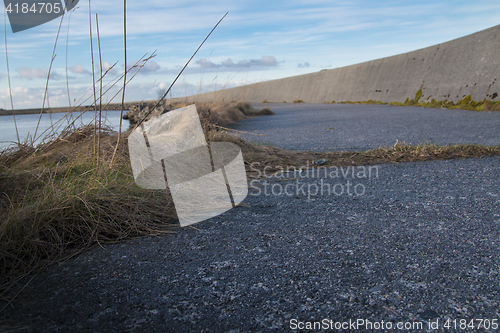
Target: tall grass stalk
x=46, y=92
x=56, y=126
x=93, y=75
x=100, y=89
x=56, y=201
x=178, y=75
x=124, y=78
x=8, y=75
x=67, y=44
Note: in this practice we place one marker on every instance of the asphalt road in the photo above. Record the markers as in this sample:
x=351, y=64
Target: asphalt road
x=327, y=127
x=415, y=244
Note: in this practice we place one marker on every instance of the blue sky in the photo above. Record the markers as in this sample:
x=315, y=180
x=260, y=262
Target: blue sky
x=257, y=41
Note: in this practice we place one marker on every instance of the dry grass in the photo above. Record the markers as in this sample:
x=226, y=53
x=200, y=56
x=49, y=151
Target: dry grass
x=62, y=196
x=55, y=201
x=464, y=104
x=275, y=159
x=225, y=114
x=221, y=113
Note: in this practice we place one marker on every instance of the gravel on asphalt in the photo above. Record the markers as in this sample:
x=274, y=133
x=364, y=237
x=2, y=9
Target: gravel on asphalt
x=333, y=127
x=412, y=243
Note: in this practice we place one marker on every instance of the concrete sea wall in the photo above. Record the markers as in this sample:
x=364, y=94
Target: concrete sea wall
x=468, y=65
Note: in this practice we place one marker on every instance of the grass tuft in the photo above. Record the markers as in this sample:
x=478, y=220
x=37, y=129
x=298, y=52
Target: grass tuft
x=55, y=201
x=418, y=95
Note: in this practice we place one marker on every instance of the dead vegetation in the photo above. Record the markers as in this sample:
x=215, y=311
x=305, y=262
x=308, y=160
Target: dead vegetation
x=221, y=113
x=58, y=198
x=55, y=201
x=275, y=159
x=225, y=114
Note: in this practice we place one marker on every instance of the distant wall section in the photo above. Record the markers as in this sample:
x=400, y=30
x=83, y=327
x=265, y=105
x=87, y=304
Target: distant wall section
x=465, y=66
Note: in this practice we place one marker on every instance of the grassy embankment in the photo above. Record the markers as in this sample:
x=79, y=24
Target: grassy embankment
x=58, y=199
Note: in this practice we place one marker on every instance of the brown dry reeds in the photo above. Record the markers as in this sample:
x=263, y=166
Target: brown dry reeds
x=225, y=114
x=64, y=194
x=274, y=159
x=58, y=202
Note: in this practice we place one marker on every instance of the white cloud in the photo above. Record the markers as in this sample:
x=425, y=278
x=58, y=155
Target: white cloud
x=265, y=61
x=149, y=67
x=29, y=73
x=23, y=97
x=159, y=90
x=32, y=73
x=78, y=69
x=162, y=85
x=106, y=66
x=304, y=65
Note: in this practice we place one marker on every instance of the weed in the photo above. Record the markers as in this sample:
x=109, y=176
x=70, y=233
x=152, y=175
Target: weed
x=467, y=103
x=466, y=100
x=418, y=95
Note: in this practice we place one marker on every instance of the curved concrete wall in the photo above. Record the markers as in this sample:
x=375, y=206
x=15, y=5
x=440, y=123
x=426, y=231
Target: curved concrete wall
x=451, y=70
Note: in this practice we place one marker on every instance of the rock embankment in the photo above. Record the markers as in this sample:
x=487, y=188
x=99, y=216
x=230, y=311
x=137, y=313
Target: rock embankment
x=138, y=111
x=221, y=113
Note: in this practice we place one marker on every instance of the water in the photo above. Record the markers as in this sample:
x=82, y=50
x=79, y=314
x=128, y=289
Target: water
x=26, y=124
